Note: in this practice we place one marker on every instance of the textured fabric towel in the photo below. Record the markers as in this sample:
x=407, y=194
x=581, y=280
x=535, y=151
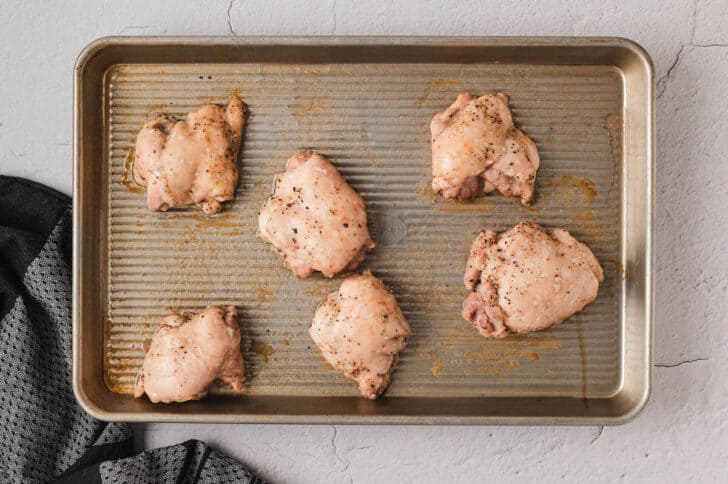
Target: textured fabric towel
x=44, y=434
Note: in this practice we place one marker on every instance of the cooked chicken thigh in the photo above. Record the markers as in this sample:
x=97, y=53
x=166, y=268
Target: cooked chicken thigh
x=191, y=162
x=526, y=279
x=475, y=146
x=315, y=219
x=361, y=331
x=189, y=352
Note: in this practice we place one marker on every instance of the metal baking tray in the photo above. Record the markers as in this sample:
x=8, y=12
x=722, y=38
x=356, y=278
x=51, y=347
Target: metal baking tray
x=366, y=103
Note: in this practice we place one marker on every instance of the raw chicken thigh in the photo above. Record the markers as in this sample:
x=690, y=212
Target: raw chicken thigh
x=361, y=331
x=315, y=219
x=475, y=146
x=192, y=162
x=189, y=352
x=526, y=279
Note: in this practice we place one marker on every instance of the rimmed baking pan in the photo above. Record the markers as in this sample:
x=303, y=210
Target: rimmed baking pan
x=366, y=103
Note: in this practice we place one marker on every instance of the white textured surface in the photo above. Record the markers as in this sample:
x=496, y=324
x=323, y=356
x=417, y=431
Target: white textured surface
x=681, y=436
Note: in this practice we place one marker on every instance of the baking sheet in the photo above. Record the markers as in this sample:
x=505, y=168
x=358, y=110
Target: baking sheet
x=371, y=118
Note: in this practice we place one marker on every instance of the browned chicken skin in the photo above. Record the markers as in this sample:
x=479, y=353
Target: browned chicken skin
x=526, y=279
x=360, y=330
x=475, y=147
x=193, y=161
x=189, y=352
x=315, y=219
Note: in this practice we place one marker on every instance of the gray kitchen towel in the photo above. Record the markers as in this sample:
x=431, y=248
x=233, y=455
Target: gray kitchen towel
x=44, y=435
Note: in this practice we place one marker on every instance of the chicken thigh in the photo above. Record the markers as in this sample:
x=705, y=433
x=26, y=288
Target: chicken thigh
x=526, y=280
x=315, y=219
x=476, y=146
x=192, y=162
x=360, y=330
x=188, y=353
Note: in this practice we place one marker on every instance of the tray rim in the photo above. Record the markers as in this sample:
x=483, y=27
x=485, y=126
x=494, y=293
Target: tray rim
x=165, y=413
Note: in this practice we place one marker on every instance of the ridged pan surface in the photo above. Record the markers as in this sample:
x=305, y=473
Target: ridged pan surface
x=372, y=120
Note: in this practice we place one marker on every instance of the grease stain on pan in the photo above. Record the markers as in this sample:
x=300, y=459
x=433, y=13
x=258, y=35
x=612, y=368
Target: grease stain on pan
x=436, y=85
x=592, y=228
x=124, y=370
x=143, y=228
x=586, y=187
x=620, y=269
x=201, y=222
x=263, y=349
x=318, y=291
x=425, y=192
x=127, y=179
x=613, y=125
x=497, y=357
x=437, y=368
x=263, y=294
x=313, y=106
x=225, y=219
x=586, y=216
x=215, y=222
x=267, y=293
x=369, y=155
x=324, y=364
x=582, y=185
x=478, y=204
x=155, y=110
